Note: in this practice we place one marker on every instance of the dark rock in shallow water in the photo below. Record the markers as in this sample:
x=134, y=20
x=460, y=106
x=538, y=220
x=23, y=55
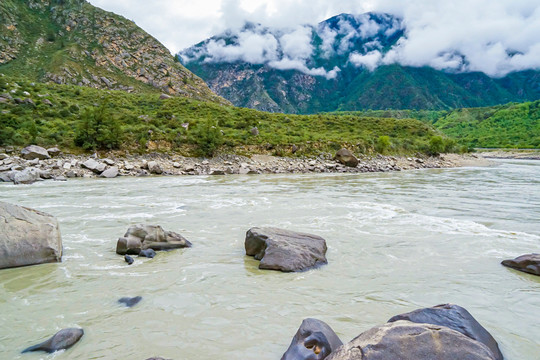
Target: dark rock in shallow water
x=314, y=340
x=404, y=340
x=142, y=237
x=456, y=318
x=130, y=302
x=157, y=358
x=64, y=339
x=285, y=250
x=128, y=259
x=148, y=253
x=529, y=263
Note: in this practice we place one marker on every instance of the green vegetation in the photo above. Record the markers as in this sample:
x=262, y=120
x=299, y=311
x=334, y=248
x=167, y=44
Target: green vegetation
x=502, y=126
x=83, y=119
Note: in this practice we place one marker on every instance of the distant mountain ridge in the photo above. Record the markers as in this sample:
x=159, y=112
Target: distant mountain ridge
x=338, y=65
x=73, y=42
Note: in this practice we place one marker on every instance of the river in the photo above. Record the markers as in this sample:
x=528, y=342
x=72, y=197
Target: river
x=396, y=242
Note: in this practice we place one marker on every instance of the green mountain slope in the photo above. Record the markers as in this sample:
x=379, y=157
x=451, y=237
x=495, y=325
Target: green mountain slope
x=510, y=125
x=80, y=118
x=308, y=85
x=73, y=42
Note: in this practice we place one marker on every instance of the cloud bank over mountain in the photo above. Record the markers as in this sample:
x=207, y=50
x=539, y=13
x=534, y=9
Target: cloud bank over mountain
x=495, y=37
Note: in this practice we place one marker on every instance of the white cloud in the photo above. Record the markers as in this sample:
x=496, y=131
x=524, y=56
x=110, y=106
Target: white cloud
x=297, y=44
x=370, y=60
x=495, y=37
x=251, y=47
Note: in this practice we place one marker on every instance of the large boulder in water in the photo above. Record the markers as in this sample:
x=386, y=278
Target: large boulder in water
x=529, y=263
x=143, y=237
x=314, y=340
x=27, y=237
x=456, y=318
x=34, y=152
x=285, y=250
x=346, y=157
x=405, y=340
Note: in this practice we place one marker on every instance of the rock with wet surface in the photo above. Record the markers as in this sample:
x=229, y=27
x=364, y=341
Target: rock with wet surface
x=285, y=250
x=142, y=237
x=456, y=318
x=529, y=263
x=64, y=339
x=405, y=340
x=28, y=237
x=314, y=340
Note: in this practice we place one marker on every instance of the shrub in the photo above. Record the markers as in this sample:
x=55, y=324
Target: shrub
x=383, y=144
x=436, y=145
x=208, y=137
x=98, y=129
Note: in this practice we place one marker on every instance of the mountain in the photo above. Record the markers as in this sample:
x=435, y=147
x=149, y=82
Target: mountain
x=338, y=66
x=73, y=42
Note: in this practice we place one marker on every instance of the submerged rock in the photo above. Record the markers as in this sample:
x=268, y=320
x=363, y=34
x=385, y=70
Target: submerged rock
x=130, y=301
x=28, y=237
x=314, y=340
x=128, y=259
x=405, y=340
x=142, y=237
x=285, y=250
x=148, y=253
x=529, y=263
x=64, y=339
x=456, y=318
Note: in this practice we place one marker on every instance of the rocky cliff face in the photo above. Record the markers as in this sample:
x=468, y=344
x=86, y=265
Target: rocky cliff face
x=73, y=42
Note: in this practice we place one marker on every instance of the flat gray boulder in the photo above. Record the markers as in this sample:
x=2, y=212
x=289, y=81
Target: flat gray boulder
x=34, y=152
x=94, y=166
x=110, y=172
x=456, y=318
x=142, y=237
x=405, y=340
x=285, y=250
x=28, y=237
x=529, y=263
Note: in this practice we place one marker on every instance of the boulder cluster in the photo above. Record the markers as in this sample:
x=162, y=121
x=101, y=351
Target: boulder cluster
x=35, y=163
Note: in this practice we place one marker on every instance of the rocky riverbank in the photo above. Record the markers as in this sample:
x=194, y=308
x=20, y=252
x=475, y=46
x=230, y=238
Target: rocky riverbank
x=532, y=154
x=24, y=167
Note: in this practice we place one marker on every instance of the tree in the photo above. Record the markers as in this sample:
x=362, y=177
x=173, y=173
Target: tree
x=98, y=129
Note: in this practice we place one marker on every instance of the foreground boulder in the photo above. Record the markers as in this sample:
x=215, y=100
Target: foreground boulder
x=529, y=263
x=28, y=237
x=34, y=152
x=143, y=237
x=456, y=318
x=405, y=340
x=314, y=340
x=64, y=339
x=347, y=158
x=285, y=250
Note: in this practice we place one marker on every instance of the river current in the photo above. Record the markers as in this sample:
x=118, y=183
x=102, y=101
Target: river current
x=396, y=242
